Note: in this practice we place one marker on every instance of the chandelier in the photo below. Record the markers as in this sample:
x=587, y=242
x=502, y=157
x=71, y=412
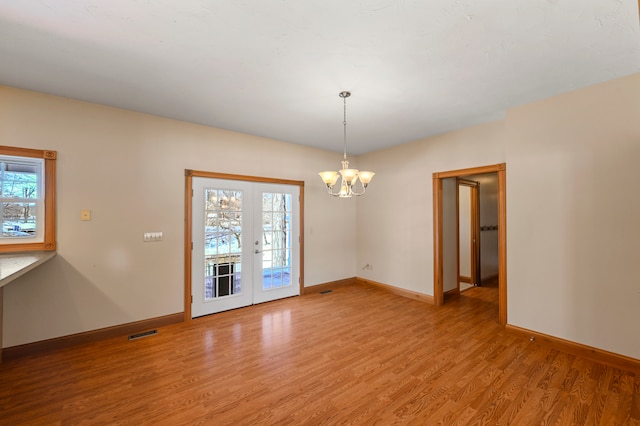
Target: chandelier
x=349, y=176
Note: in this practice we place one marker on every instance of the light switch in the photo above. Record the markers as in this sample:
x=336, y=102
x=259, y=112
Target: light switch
x=85, y=214
x=152, y=237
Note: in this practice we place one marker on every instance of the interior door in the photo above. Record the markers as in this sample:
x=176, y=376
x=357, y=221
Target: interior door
x=246, y=245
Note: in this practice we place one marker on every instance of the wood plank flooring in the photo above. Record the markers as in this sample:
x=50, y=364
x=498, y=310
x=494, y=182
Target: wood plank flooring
x=355, y=356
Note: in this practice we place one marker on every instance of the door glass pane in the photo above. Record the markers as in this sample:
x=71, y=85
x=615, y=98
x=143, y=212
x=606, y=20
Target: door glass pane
x=223, y=247
x=276, y=240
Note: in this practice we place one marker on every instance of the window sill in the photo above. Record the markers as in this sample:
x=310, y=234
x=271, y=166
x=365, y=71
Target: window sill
x=14, y=265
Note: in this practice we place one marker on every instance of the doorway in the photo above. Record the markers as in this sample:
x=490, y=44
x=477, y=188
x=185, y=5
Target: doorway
x=438, y=221
x=468, y=235
x=243, y=241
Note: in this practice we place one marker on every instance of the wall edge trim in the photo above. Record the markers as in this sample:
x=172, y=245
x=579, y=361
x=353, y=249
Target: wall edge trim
x=318, y=288
x=410, y=294
x=594, y=354
x=64, y=342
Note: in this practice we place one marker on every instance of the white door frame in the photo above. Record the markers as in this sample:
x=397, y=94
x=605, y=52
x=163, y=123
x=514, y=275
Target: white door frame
x=189, y=175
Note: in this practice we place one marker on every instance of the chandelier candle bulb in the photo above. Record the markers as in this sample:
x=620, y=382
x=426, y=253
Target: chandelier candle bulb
x=349, y=176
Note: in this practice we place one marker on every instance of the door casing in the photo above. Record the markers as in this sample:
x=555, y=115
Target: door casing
x=188, y=244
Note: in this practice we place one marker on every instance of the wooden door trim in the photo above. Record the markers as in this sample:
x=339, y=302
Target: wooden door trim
x=467, y=182
x=501, y=170
x=438, y=249
x=457, y=240
x=188, y=226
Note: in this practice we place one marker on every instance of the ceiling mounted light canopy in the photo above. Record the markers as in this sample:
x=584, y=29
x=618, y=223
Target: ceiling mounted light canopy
x=350, y=177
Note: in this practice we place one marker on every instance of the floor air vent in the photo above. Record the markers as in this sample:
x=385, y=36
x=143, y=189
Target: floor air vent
x=143, y=334
x=326, y=291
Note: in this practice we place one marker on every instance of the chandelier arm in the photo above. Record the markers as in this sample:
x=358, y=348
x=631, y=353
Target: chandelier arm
x=364, y=189
x=330, y=191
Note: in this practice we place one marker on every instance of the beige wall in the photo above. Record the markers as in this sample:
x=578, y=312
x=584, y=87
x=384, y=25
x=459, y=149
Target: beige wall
x=395, y=218
x=128, y=168
x=572, y=211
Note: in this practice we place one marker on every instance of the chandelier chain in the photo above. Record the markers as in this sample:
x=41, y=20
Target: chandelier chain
x=344, y=96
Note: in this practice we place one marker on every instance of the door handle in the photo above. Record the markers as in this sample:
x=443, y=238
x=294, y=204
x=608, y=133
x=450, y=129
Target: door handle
x=257, y=251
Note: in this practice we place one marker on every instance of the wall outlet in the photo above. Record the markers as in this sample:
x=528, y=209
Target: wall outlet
x=150, y=237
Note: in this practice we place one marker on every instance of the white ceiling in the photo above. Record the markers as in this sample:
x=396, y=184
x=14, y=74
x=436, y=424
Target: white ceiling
x=274, y=68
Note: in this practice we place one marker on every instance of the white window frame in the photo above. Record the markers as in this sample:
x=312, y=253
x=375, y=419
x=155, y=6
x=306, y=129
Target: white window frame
x=44, y=239
x=38, y=236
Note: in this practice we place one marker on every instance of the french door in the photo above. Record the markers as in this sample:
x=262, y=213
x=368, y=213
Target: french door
x=246, y=243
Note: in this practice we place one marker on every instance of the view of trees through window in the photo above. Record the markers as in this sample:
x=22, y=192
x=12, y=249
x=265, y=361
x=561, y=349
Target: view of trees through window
x=277, y=245
x=223, y=241
x=20, y=198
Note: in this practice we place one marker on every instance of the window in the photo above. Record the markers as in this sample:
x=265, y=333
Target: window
x=27, y=199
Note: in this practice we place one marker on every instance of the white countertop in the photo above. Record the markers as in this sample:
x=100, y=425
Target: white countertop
x=13, y=265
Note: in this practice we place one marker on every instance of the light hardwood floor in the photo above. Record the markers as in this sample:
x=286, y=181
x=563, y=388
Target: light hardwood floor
x=356, y=356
